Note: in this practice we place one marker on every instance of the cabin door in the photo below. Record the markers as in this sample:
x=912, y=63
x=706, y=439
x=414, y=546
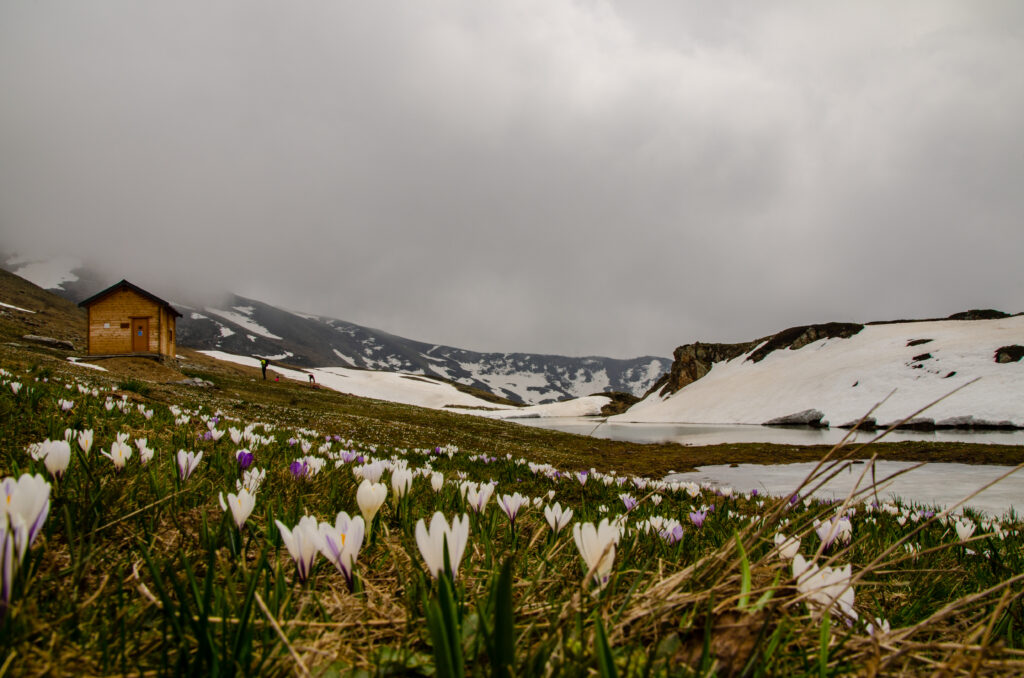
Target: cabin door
x=140, y=335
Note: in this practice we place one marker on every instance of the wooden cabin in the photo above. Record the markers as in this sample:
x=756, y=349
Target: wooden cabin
x=128, y=320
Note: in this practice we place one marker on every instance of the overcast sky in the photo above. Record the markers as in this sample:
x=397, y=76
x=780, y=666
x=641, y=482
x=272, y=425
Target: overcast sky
x=610, y=178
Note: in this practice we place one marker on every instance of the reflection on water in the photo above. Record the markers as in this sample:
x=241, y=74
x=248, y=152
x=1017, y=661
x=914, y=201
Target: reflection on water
x=714, y=434
x=938, y=484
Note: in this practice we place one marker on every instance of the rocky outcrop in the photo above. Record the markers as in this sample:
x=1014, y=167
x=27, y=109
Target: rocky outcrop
x=1009, y=354
x=617, y=402
x=812, y=418
x=798, y=337
x=49, y=341
x=693, y=361
x=980, y=314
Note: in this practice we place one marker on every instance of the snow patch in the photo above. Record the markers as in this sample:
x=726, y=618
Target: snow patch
x=391, y=386
x=50, y=274
x=16, y=308
x=845, y=378
x=75, y=361
x=243, y=321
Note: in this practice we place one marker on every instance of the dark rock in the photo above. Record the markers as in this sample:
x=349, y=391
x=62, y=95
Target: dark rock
x=923, y=356
x=917, y=342
x=972, y=423
x=49, y=341
x=869, y=424
x=950, y=374
x=798, y=337
x=916, y=424
x=812, y=418
x=693, y=361
x=195, y=381
x=617, y=402
x=1009, y=354
x=979, y=314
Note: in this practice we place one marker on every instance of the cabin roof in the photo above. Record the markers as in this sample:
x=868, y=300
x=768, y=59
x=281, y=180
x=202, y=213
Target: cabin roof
x=125, y=285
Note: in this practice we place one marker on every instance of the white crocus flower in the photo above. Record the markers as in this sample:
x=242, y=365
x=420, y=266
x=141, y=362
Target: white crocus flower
x=56, y=455
x=24, y=505
x=187, y=463
x=786, y=547
x=436, y=481
x=478, y=496
x=441, y=536
x=240, y=505
x=145, y=454
x=401, y=482
x=340, y=543
x=597, y=547
x=25, y=502
x=825, y=588
x=119, y=453
x=511, y=504
x=370, y=496
x=251, y=479
x=964, y=529
x=303, y=543
x=372, y=471
x=556, y=517
x=85, y=440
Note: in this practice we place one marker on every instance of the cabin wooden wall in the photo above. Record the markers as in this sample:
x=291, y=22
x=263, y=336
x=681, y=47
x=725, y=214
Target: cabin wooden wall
x=168, y=333
x=110, y=324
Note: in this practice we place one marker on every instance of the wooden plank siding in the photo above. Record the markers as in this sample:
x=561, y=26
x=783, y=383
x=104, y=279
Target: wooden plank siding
x=110, y=324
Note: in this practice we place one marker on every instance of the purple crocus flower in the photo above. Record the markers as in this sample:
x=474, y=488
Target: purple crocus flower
x=582, y=477
x=673, y=535
x=629, y=502
x=753, y=493
x=697, y=517
x=298, y=469
x=794, y=499
x=244, y=458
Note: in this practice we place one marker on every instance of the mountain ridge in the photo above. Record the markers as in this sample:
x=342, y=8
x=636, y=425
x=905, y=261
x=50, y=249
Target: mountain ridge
x=245, y=326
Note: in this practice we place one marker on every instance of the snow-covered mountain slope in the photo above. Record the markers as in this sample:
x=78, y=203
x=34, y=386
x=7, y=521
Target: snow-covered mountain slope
x=418, y=390
x=249, y=327
x=844, y=378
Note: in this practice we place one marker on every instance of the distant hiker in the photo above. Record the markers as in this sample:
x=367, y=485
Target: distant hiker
x=311, y=379
x=263, y=366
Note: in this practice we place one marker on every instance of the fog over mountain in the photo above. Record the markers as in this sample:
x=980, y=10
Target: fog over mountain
x=576, y=178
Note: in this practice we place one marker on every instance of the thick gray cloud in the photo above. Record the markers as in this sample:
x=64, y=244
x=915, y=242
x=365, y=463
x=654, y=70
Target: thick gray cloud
x=609, y=178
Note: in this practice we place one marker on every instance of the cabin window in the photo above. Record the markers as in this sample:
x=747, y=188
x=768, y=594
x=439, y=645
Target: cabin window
x=125, y=326
x=106, y=326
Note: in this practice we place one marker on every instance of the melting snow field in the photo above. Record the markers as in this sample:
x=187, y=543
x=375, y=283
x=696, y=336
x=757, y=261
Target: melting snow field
x=940, y=484
x=400, y=388
x=413, y=389
x=846, y=378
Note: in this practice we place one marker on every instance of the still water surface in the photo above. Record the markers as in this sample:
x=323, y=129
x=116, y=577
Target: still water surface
x=714, y=434
x=940, y=484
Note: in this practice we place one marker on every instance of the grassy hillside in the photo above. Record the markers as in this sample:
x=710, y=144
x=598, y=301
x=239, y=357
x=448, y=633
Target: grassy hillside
x=141, y=570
